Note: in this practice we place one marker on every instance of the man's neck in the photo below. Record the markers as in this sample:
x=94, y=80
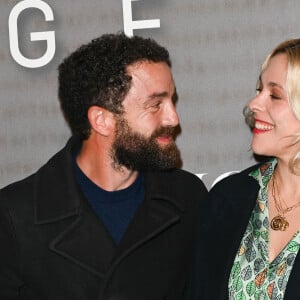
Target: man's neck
x=96, y=163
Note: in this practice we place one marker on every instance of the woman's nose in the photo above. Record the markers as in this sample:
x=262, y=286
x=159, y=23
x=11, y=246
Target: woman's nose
x=257, y=103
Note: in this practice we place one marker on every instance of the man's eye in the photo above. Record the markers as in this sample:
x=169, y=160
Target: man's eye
x=156, y=105
x=258, y=91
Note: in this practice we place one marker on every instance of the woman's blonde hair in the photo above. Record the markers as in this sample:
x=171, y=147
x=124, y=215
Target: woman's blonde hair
x=291, y=48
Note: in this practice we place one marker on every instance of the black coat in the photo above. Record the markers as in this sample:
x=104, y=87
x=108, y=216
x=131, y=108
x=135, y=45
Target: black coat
x=52, y=245
x=223, y=221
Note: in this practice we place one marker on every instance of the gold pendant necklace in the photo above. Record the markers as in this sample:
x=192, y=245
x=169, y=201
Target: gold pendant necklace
x=279, y=222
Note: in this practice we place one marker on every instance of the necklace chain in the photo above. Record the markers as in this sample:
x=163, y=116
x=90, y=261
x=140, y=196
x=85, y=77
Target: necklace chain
x=279, y=222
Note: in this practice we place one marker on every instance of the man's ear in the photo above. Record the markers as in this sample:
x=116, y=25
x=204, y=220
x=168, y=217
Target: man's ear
x=101, y=120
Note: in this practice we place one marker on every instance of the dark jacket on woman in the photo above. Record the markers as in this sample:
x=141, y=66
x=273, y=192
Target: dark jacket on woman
x=223, y=219
x=53, y=246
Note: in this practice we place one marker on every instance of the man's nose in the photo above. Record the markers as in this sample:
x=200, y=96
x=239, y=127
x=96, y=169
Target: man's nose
x=170, y=117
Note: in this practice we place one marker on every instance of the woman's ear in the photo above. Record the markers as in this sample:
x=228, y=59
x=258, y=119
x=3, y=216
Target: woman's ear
x=101, y=120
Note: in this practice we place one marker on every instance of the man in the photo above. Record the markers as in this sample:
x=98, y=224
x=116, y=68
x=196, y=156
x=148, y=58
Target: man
x=109, y=216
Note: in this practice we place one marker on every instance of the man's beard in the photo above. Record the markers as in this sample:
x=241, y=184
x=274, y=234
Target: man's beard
x=137, y=152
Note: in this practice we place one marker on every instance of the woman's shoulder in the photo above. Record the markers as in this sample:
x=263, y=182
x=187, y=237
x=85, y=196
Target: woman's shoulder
x=238, y=181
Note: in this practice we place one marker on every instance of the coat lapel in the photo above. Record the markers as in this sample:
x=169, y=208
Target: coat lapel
x=58, y=198
x=150, y=220
x=74, y=243
x=239, y=205
x=159, y=211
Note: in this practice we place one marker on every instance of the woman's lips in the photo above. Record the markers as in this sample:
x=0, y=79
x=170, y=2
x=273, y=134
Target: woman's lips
x=262, y=126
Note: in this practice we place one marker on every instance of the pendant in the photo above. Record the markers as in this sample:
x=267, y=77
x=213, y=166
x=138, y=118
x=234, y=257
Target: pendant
x=279, y=223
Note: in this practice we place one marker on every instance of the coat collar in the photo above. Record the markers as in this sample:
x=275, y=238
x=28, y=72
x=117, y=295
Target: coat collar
x=56, y=181
x=58, y=198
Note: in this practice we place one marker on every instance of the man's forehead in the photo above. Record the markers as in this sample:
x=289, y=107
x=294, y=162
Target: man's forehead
x=150, y=71
x=151, y=80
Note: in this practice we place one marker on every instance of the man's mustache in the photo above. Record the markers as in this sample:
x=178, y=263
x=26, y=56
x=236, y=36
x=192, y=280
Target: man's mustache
x=164, y=131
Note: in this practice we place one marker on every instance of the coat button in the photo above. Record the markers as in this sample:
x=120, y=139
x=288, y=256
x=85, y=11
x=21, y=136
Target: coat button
x=165, y=298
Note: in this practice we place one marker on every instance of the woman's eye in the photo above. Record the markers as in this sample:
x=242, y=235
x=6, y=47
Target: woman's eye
x=258, y=90
x=275, y=97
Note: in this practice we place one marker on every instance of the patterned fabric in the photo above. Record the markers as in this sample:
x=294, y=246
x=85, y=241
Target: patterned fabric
x=252, y=275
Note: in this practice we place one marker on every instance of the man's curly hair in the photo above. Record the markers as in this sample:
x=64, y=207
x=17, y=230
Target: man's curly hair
x=96, y=74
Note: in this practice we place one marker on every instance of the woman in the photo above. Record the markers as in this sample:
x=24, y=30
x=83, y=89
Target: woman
x=248, y=240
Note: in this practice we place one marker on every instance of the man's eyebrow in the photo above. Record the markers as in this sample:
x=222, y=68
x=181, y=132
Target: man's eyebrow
x=157, y=95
